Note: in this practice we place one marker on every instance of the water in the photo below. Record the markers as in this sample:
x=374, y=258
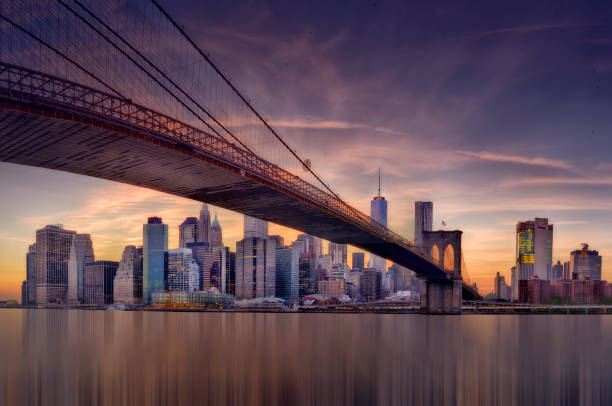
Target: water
x=75, y=357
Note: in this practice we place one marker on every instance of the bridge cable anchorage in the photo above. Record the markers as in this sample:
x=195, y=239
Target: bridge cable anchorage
x=244, y=100
x=147, y=72
x=61, y=54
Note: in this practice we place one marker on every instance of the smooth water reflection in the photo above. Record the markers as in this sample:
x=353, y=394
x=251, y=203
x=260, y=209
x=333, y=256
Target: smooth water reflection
x=59, y=357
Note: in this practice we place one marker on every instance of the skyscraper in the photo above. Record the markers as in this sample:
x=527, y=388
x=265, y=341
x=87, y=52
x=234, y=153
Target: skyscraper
x=53, y=244
x=98, y=282
x=216, y=234
x=306, y=243
x=81, y=252
x=204, y=225
x=370, y=283
x=534, y=241
x=31, y=273
x=199, y=252
x=278, y=240
x=287, y=272
x=338, y=253
x=255, y=228
x=585, y=264
x=230, y=272
x=127, y=286
x=557, y=271
x=307, y=274
x=188, y=232
x=358, y=260
x=214, y=268
x=182, y=271
x=155, y=245
x=378, y=212
x=423, y=220
x=255, y=268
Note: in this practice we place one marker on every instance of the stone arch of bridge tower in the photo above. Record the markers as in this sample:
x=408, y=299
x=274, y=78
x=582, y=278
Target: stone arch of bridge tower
x=445, y=249
x=435, y=254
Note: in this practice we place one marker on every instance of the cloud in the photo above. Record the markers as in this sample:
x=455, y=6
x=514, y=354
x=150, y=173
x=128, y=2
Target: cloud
x=521, y=29
x=332, y=125
x=494, y=157
x=560, y=181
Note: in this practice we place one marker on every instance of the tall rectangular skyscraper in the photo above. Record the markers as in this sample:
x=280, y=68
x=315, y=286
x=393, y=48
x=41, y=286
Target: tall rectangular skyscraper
x=155, y=245
x=378, y=213
x=53, y=244
x=423, y=220
x=255, y=228
x=287, y=272
x=534, y=241
x=81, y=252
x=98, y=280
x=358, y=260
x=255, y=268
x=31, y=274
x=585, y=264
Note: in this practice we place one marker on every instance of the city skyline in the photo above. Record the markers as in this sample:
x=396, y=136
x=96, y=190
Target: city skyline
x=448, y=132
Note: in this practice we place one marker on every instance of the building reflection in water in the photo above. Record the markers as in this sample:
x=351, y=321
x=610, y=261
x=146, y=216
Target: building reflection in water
x=58, y=357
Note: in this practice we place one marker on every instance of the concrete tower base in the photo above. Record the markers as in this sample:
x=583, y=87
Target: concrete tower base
x=440, y=296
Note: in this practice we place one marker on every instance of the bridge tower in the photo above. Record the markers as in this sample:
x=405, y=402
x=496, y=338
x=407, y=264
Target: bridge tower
x=443, y=296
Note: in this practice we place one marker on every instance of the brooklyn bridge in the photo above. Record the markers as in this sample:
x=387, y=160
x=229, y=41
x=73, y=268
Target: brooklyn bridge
x=120, y=91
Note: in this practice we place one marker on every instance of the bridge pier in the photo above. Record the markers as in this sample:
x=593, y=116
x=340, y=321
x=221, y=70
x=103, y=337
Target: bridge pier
x=439, y=296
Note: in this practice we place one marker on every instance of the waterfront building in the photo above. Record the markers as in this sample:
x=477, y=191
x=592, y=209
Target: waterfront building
x=585, y=264
x=84, y=254
x=502, y=290
x=562, y=290
x=255, y=266
x=155, y=246
x=358, y=260
x=214, y=268
x=566, y=270
x=182, y=271
x=211, y=297
x=31, y=274
x=81, y=252
x=370, y=284
x=98, y=282
x=534, y=290
x=24, y=293
x=53, y=244
x=198, y=252
x=204, y=225
x=423, y=221
x=534, y=241
x=188, y=231
x=587, y=291
x=331, y=287
x=307, y=275
x=216, y=234
x=255, y=228
x=338, y=253
x=127, y=286
x=287, y=272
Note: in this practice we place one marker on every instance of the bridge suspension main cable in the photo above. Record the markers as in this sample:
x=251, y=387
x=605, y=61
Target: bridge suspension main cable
x=306, y=165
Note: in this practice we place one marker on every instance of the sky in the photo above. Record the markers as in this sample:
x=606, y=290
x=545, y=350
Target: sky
x=497, y=112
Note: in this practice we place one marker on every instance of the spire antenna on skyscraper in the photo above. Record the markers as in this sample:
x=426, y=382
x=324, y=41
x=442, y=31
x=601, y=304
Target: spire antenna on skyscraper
x=378, y=182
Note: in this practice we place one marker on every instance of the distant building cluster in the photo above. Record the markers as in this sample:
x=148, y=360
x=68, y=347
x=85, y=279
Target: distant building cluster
x=62, y=268
x=536, y=280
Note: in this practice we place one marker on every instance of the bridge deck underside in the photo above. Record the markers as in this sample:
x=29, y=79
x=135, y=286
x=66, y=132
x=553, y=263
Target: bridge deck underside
x=82, y=146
